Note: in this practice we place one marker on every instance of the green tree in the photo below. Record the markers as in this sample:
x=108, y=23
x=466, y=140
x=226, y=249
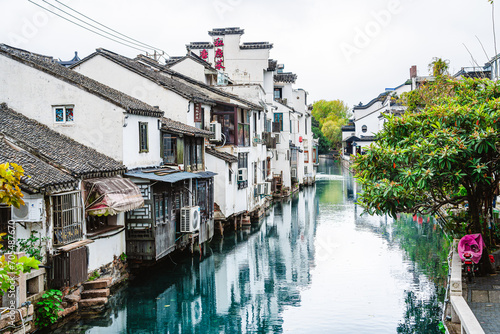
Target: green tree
x=10, y=178
x=10, y=194
x=324, y=145
x=442, y=152
x=439, y=66
x=331, y=115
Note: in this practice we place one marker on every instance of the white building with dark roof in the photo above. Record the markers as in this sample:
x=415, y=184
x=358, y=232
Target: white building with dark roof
x=247, y=64
x=368, y=119
x=194, y=103
x=57, y=210
x=130, y=131
x=115, y=124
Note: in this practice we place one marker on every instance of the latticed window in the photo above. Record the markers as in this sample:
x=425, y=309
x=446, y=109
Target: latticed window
x=68, y=218
x=139, y=220
x=143, y=137
x=169, y=149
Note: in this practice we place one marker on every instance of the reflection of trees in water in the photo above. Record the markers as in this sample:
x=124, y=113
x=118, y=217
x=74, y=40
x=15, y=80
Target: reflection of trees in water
x=426, y=246
x=420, y=315
x=378, y=225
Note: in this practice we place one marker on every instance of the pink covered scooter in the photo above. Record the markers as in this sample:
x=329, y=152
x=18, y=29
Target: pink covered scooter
x=470, y=249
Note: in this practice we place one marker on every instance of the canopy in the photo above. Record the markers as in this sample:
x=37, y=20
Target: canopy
x=168, y=177
x=109, y=196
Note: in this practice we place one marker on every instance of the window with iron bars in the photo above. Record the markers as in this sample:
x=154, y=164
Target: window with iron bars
x=68, y=218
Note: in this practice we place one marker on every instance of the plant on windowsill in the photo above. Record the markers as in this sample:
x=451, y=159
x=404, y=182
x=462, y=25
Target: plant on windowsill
x=48, y=308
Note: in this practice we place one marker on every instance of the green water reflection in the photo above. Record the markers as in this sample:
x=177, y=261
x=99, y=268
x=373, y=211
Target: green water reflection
x=313, y=265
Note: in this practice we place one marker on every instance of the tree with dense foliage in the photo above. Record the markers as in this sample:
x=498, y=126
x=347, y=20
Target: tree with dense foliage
x=438, y=67
x=331, y=115
x=12, y=266
x=444, y=152
x=10, y=177
x=324, y=145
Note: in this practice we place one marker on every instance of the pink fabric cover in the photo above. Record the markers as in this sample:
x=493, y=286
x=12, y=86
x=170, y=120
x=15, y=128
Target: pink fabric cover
x=472, y=243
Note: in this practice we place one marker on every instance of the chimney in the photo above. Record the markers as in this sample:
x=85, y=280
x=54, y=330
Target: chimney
x=413, y=71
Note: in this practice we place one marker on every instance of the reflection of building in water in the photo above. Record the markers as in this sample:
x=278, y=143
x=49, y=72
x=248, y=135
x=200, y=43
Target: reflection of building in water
x=243, y=287
x=258, y=278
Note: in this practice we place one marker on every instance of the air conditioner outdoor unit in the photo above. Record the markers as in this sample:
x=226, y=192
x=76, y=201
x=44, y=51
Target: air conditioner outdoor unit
x=294, y=172
x=190, y=219
x=267, y=188
x=261, y=188
x=215, y=128
x=242, y=174
x=256, y=140
x=31, y=211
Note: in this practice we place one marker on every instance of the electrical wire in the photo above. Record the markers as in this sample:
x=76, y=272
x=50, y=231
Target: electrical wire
x=147, y=45
x=95, y=32
x=73, y=16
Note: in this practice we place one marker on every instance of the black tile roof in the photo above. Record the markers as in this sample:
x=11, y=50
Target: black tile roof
x=367, y=138
x=191, y=55
x=151, y=72
x=38, y=175
x=216, y=93
x=271, y=65
x=181, y=84
x=348, y=128
x=58, y=150
x=379, y=98
x=171, y=60
x=226, y=31
x=74, y=60
x=49, y=65
x=285, y=77
x=181, y=128
x=256, y=45
x=221, y=155
x=199, y=45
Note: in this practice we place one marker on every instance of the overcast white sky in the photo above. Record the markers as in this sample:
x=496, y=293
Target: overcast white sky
x=340, y=49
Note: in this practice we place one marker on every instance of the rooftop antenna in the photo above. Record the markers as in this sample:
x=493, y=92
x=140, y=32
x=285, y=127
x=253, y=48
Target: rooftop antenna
x=493, y=20
x=487, y=58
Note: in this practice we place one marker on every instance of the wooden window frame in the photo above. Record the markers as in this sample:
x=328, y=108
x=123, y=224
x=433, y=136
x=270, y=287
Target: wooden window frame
x=143, y=137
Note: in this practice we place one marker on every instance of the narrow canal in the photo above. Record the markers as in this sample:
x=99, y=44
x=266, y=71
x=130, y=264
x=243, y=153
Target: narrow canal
x=314, y=265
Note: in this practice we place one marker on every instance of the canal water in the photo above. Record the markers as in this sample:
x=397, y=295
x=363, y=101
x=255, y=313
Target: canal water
x=313, y=265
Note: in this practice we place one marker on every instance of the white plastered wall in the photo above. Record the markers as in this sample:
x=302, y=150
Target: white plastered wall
x=33, y=93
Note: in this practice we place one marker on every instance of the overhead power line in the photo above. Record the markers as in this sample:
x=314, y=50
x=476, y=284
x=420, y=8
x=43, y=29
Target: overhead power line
x=119, y=33
x=138, y=46
x=95, y=32
x=104, y=31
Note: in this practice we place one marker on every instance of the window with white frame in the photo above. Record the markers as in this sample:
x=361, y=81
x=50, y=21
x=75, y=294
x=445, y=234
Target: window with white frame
x=63, y=114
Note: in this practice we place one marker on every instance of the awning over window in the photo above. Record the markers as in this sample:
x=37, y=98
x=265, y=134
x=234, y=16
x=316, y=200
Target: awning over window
x=109, y=196
x=169, y=177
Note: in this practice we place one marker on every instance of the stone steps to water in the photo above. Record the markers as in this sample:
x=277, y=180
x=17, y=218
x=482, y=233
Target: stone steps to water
x=92, y=302
x=88, y=294
x=97, y=284
x=95, y=292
